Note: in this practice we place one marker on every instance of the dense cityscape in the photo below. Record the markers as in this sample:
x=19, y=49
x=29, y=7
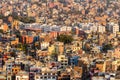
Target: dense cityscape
x=59, y=39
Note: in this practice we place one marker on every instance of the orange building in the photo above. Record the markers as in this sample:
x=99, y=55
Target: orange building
x=5, y=27
x=53, y=34
x=101, y=66
x=16, y=41
x=16, y=69
x=27, y=39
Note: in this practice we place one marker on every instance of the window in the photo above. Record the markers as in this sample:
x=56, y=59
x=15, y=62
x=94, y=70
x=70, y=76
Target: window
x=62, y=61
x=40, y=73
x=49, y=77
x=8, y=79
x=72, y=59
x=65, y=64
x=62, y=57
x=45, y=77
x=41, y=77
x=45, y=73
x=18, y=78
x=65, y=61
x=49, y=73
x=37, y=77
x=53, y=73
x=53, y=77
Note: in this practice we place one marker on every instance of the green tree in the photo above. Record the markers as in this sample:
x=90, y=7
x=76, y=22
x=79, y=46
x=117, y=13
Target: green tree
x=27, y=19
x=1, y=31
x=1, y=16
x=17, y=32
x=65, y=38
x=24, y=19
x=107, y=47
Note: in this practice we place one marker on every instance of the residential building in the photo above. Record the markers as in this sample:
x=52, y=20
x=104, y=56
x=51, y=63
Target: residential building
x=63, y=60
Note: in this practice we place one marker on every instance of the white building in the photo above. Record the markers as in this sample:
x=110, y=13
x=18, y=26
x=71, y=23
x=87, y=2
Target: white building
x=46, y=74
x=89, y=27
x=101, y=29
x=113, y=27
x=44, y=45
x=9, y=65
x=65, y=28
x=22, y=76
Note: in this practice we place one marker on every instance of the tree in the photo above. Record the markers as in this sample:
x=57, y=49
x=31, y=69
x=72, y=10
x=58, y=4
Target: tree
x=1, y=16
x=17, y=32
x=65, y=38
x=1, y=31
x=27, y=19
x=13, y=54
x=107, y=47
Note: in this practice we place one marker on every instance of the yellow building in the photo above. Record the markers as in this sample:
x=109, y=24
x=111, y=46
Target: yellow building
x=16, y=41
x=15, y=24
x=51, y=49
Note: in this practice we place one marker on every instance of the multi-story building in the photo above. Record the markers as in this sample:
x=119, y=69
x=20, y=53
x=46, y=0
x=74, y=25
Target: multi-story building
x=59, y=47
x=74, y=60
x=46, y=74
x=22, y=76
x=101, y=29
x=44, y=45
x=113, y=27
x=63, y=60
x=101, y=65
x=9, y=66
x=66, y=28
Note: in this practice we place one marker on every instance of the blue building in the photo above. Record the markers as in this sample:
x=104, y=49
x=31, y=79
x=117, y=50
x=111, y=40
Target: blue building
x=74, y=60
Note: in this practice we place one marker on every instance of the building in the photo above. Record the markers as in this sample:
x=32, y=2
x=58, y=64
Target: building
x=51, y=49
x=22, y=76
x=113, y=28
x=101, y=29
x=64, y=76
x=16, y=69
x=77, y=73
x=74, y=60
x=63, y=60
x=66, y=28
x=101, y=65
x=44, y=45
x=27, y=39
x=3, y=76
x=59, y=47
x=9, y=65
x=76, y=46
x=46, y=74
